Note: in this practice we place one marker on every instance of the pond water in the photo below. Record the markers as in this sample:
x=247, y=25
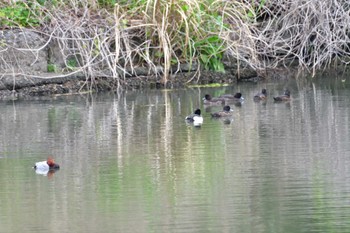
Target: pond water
x=130, y=163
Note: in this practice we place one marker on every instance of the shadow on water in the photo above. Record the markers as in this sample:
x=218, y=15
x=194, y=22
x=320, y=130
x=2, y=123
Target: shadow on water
x=130, y=162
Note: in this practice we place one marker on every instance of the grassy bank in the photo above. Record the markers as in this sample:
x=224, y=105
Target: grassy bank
x=99, y=35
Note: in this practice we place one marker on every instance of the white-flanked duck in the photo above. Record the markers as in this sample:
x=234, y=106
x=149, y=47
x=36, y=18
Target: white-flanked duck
x=195, y=118
x=46, y=166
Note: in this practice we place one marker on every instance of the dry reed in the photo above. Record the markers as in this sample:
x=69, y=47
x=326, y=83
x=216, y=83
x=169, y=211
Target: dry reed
x=161, y=34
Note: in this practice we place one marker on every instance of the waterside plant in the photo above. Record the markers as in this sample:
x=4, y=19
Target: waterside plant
x=112, y=37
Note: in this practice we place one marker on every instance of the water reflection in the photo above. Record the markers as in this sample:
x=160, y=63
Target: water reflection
x=130, y=162
x=48, y=173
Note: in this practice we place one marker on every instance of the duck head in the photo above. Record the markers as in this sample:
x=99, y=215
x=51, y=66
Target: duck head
x=227, y=108
x=207, y=97
x=51, y=162
x=197, y=112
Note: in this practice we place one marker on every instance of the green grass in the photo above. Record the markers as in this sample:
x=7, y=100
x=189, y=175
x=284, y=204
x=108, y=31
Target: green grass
x=20, y=14
x=51, y=68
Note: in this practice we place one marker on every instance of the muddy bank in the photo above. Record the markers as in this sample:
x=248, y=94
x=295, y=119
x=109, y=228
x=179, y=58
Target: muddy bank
x=13, y=87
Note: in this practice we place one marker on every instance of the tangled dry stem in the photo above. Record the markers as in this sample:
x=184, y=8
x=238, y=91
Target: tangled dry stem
x=160, y=35
x=313, y=33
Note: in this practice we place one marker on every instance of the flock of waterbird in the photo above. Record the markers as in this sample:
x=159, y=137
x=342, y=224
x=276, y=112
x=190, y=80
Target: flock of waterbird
x=228, y=99
x=49, y=166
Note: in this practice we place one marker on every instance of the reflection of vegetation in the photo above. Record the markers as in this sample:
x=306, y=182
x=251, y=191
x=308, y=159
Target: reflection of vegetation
x=319, y=204
x=137, y=159
x=62, y=115
x=74, y=117
x=14, y=182
x=171, y=164
x=51, y=119
x=117, y=182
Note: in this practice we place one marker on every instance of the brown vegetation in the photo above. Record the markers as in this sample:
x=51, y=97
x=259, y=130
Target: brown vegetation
x=108, y=40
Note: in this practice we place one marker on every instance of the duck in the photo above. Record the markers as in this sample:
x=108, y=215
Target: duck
x=195, y=118
x=261, y=96
x=236, y=97
x=46, y=166
x=226, y=112
x=284, y=97
x=209, y=100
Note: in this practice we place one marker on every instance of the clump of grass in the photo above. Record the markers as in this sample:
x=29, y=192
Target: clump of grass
x=51, y=68
x=72, y=63
x=20, y=14
x=184, y=31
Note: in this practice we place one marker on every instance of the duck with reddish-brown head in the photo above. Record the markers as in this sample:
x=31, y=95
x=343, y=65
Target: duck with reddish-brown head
x=46, y=166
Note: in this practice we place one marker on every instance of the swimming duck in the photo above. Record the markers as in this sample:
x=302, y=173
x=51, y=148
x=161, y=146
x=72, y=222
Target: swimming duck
x=226, y=112
x=261, y=96
x=46, y=166
x=209, y=100
x=195, y=118
x=284, y=97
x=236, y=97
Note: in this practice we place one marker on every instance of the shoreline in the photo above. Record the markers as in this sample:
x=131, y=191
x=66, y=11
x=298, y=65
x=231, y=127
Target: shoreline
x=49, y=85
x=18, y=87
